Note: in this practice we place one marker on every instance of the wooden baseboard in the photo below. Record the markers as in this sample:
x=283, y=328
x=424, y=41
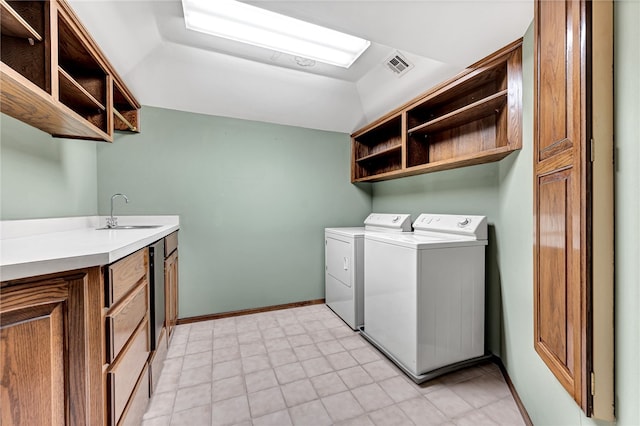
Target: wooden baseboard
x=209, y=317
x=514, y=393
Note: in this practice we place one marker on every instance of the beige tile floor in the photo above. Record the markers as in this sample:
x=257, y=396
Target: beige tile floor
x=304, y=366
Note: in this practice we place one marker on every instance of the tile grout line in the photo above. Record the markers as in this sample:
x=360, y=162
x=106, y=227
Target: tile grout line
x=303, y=322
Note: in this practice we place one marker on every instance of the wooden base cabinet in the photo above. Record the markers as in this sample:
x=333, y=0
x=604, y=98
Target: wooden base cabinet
x=138, y=402
x=125, y=373
x=171, y=281
x=51, y=350
x=75, y=346
x=127, y=345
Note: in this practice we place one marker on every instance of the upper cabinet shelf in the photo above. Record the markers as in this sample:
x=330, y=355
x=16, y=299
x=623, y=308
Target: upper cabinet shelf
x=14, y=25
x=77, y=94
x=473, y=118
x=54, y=76
x=381, y=153
x=472, y=112
x=125, y=109
x=379, y=150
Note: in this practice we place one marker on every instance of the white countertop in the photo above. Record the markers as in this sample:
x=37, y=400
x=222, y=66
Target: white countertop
x=43, y=246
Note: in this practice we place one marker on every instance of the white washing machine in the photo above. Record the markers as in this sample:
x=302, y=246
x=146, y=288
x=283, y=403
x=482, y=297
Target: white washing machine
x=344, y=264
x=424, y=294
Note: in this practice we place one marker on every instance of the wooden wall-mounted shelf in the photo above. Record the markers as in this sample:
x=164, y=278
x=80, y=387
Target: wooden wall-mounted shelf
x=14, y=25
x=378, y=151
x=54, y=76
x=474, y=118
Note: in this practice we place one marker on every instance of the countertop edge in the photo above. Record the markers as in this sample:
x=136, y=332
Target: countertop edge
x=25, y=269
x=141, y=243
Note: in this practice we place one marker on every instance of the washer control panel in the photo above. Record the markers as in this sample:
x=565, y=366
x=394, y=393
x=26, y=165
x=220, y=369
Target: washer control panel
x=388, y=222
x=464, y=222
x=475, y=226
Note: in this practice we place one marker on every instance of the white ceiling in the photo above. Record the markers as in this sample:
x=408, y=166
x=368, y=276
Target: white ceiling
x=167, y=66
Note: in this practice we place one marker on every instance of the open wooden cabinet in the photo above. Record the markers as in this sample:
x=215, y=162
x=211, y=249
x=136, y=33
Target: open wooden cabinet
x=473, y=118
x=54, y=76
x=573, y=198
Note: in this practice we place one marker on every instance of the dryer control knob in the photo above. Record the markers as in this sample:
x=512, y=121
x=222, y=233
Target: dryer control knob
x=465, y=222
x=395, y=219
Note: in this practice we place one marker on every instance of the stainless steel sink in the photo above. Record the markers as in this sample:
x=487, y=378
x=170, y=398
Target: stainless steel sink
x=115, y=228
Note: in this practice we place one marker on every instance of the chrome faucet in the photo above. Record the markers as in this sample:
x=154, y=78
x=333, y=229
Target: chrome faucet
x=112, y=221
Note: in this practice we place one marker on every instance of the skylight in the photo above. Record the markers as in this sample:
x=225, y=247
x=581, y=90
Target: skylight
x=249, y=24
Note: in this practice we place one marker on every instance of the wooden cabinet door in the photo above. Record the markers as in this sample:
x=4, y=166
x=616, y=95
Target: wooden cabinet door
x=33, y=353
x=171, y=290
x=562, y=195
x=51, y=352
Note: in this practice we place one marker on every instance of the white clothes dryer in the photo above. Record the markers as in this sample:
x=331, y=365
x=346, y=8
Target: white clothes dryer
x=424, y=294
x=344, y=264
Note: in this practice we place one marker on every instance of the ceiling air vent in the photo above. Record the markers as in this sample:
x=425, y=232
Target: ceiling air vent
x=399, y=64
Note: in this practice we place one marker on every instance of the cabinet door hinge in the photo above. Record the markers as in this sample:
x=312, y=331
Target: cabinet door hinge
x=593, y=149
x=593, y=383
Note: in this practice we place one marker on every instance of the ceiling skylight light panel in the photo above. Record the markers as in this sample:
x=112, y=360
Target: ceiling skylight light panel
x=249, y=24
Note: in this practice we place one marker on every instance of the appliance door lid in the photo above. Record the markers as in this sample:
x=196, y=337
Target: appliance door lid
x=421, y=242
x=339, y=260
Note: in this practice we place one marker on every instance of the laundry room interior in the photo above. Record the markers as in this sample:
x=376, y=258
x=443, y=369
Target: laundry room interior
x=248, y=159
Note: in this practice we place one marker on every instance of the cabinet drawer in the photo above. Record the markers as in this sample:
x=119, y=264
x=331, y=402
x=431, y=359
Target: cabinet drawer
x=123, y=374
x=125, y=273
x=170, y=243
x=138, y=402
x=124, y=319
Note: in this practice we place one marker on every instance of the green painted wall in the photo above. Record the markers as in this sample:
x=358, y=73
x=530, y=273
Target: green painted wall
x=253, y=200
x=42, y=176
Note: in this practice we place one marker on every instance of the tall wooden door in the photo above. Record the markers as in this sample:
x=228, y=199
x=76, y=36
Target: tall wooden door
x=574, y=198
x=562, y=203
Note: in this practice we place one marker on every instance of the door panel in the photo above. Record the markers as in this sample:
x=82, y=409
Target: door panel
x=553, y=73
x=33, y=375
x=562, y=323
x=171, y=291
x=52, y=352
x=554, y=271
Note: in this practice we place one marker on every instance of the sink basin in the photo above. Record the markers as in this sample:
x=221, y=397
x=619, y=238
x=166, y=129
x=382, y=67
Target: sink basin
x=115, y=228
